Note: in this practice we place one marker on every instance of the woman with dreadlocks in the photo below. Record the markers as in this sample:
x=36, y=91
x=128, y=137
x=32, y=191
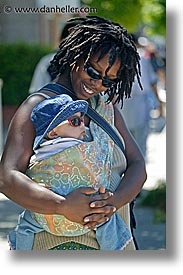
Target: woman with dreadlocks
x=97, y=62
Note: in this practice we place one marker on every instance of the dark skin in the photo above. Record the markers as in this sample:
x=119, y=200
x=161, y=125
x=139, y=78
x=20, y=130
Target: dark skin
x=91, y=210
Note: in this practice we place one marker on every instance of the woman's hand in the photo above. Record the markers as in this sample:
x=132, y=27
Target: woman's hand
x=85, y=204
x=102, y=205
x=76, y=204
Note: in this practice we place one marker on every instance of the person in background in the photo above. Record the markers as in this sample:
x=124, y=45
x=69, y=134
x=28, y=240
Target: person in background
x=42, y=74
x=136, y=110
x=158, y=62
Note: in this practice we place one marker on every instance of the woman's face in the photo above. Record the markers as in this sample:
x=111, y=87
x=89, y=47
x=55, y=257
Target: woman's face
x=84, y=85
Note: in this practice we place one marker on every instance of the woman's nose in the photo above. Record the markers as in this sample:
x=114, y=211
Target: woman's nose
x=97, y=84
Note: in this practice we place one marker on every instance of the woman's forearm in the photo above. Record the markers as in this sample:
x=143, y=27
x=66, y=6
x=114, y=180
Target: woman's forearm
x=135, y=174
x=30, y=195
x=131, y=184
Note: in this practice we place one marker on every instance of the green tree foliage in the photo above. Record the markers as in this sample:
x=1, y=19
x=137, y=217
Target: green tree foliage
x=133, y=14
x=157, y=200
x=119, y=11
x=154, y=16
x=156, y=197
x=18, y=62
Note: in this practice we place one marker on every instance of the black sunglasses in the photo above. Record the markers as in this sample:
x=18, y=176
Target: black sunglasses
x=75, y=121
x=106, y=82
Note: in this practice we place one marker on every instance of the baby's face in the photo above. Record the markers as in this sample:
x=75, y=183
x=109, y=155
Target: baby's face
x=73, y=127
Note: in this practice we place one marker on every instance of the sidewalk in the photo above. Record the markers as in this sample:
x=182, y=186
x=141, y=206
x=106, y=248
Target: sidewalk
x=156, y=159
x=9, y=212
x=149, y=236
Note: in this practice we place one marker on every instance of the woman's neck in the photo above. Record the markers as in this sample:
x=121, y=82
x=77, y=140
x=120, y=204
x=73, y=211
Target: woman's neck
x=64, y=80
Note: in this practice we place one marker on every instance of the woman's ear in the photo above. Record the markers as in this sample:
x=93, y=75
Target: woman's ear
x=52, y=134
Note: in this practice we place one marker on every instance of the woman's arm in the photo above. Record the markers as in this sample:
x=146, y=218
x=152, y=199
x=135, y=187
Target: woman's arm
x=17, y=152
x=135, y=175
x=21, y=189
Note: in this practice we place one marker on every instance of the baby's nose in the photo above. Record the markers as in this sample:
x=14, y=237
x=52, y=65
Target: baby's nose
x=82, y=127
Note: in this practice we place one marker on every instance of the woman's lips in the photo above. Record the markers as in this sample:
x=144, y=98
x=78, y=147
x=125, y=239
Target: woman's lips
x=87, y=90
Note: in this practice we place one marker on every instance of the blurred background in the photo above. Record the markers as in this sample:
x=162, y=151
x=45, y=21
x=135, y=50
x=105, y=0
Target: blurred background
x=31, y=30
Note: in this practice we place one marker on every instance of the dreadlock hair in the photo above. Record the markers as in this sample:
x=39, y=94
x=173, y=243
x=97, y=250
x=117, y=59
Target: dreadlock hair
x=92, y=34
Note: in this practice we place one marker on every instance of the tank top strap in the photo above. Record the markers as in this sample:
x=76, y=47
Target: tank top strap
x=39, y=93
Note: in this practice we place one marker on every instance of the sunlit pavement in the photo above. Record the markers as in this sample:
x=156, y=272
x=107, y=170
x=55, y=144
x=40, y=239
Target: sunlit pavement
x=8, y=219
x=156, y=159
x=152, y=236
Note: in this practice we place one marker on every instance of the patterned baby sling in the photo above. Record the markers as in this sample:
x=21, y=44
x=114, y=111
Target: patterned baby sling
x=87, y=164
x=100, y=149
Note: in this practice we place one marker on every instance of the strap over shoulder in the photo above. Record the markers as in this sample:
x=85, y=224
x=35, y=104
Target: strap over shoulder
x=39, y=93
